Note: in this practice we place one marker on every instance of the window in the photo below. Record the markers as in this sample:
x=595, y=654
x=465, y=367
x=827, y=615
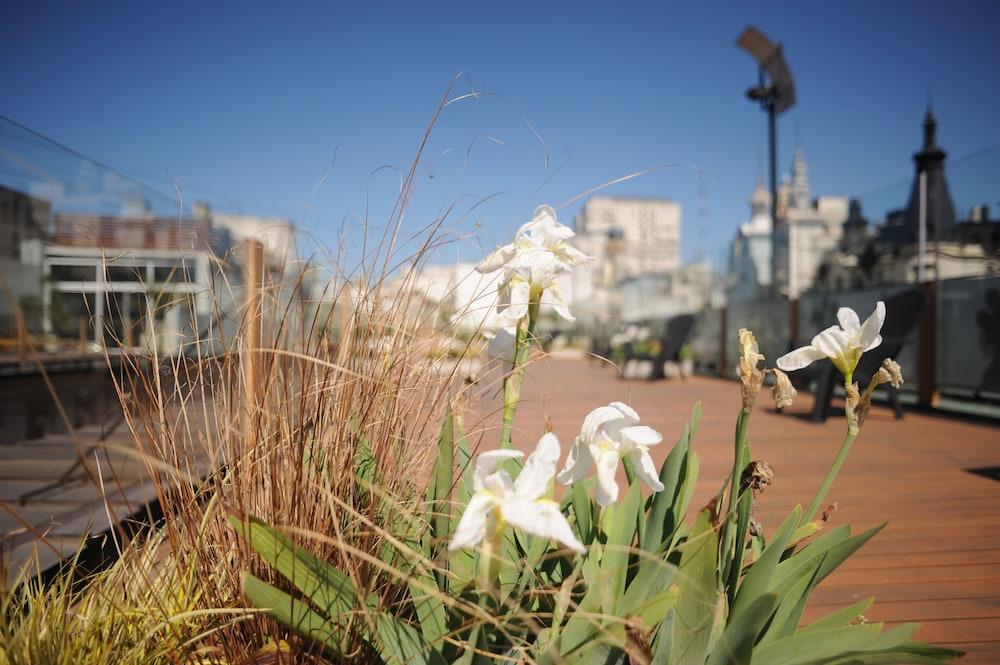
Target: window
x=73, y=273
x=180, y=272
x=126, y=273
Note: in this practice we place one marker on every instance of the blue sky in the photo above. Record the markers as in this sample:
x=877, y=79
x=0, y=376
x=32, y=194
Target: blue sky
x=245, y=104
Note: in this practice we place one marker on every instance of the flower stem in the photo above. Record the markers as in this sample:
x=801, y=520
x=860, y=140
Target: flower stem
x=831, y=475
x=512, y=384
x=838, y=461
x=489, y=564
x=735, y=529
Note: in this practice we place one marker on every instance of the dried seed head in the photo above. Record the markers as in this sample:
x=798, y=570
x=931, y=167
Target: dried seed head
x=891, y=373
x=853, y=405
x=756, y=529
x=829, y=511
x=751, y=378
x=783, y=391
x=757, y=475
x=864, y=408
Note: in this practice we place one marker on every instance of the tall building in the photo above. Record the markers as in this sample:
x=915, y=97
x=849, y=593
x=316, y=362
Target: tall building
x=24, y=223
x=806, y=230
x=750, y=251
x=649, y=230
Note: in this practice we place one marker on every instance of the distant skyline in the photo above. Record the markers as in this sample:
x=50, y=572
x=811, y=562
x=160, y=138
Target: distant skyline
x=246, y=107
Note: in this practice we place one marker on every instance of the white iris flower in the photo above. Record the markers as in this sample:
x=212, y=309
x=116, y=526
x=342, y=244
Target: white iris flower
x=543, y=235
x=609, y=434
x=532, y=264
x=521, y=503
x=842, y=344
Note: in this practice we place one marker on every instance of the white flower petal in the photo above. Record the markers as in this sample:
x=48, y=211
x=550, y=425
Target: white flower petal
x=800, y=358
x=868, y=336
x=573, y=256
x=515, y=305
x=541, y=518
x=645, y=470
x=487, y=463
x=607, y=467
x=627, y=412
x=559, y=303
x=848, y=319
x=475, y=522
x=833, y=342
x=496, y=259
x=640, y=435
x=597, y=419
x=540, y=467
x=578, y=463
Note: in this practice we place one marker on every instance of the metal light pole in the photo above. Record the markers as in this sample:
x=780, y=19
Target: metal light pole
x=775, y=92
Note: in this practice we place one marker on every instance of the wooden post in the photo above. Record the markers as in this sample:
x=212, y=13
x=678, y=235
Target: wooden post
x=22, y=334
x=793, y=323
x=927, y=390
x=254, y=281
x=723, y=366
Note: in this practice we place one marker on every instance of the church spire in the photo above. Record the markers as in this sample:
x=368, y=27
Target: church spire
x=930, y=130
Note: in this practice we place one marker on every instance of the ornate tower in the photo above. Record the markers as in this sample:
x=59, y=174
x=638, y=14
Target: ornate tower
x=801, y=194
x=940, y=208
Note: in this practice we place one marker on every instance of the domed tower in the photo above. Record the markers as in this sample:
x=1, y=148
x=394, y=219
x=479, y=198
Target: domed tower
x=760, y=200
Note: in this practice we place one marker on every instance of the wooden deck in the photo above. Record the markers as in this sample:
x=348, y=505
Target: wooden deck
x=938, y=560
x=51, y=504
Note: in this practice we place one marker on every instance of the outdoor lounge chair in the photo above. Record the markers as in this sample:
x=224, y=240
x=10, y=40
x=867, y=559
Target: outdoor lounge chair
x=670, y=342
x=902, y=314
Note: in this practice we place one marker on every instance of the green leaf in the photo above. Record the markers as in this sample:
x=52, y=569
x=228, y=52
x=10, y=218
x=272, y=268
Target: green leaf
x=694, y=615
x=804, y=561
x=442, y=478
x=583, y=511
x=584, y=621
x=365, y=465
x=663, y=645
x=621, y=535
x=793, y=601
x=687, y=492
x=815, y=645
x=841, y=617
x=758, y=579
x=463, y=463
x=882, y=658
x=695, y=419
x=294, y=614
x=400, y=643
x=893, y=638
x=660, y=521
x=655, y=576
x=736, y=644
x=327, y=588
x=835, y=552
x=424, y=595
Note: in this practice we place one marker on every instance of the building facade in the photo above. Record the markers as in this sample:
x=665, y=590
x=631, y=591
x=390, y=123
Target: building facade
x=24, y=223
x=807, y=228
x=148, y=282
x=649, y=231
x=750, y=251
